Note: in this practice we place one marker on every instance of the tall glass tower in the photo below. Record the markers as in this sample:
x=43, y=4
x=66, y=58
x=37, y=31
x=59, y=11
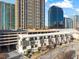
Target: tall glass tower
x=30, y=14
x=7, y=16
x=68, y=23
x=55, y=17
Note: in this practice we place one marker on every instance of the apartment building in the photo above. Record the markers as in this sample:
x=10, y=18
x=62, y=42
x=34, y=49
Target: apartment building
x=30, y=14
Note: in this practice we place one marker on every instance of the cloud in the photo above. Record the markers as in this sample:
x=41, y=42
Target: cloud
x=66, y=16
x=45, y=0
x=63, y=4
x=77, y=9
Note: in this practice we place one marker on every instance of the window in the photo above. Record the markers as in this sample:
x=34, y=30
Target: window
x=32, y=46
x=45, y=44
x=35, y=38
x=31, y=39
x=48, y=37
x=44, y=37
x=40, y=37
x=35, y=45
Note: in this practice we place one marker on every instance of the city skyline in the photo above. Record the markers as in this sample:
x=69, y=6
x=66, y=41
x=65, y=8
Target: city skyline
x=37, y=29
x=70, y=7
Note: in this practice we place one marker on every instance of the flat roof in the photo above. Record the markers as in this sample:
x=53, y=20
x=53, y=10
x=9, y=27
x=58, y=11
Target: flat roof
x=49, y=30
x=46, y=30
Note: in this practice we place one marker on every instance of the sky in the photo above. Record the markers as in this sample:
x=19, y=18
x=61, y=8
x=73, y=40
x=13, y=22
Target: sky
x=70, y=7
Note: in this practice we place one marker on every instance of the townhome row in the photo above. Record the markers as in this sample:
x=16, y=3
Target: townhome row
x=35, y=42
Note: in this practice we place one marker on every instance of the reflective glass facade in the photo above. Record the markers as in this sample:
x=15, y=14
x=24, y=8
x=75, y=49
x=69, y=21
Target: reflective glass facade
x=68, y=23
x=7, y=16
x=55, y=17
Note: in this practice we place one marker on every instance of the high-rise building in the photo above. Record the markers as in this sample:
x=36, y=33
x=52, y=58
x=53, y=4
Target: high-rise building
x=30, y=14
x=55, y=17
x=75, y=21
x=68, y=23
x=7, y=16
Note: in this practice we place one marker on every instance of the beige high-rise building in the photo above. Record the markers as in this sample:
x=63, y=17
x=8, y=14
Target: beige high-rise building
x=30, y=14
x=75, y=21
